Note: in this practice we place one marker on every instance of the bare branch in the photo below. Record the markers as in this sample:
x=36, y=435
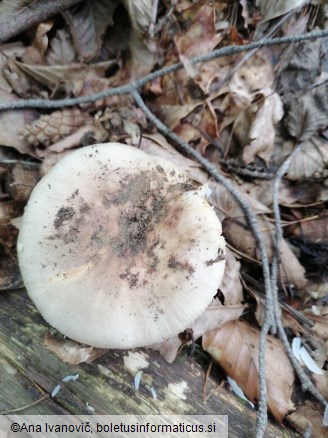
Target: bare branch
x=129, y=88
x=252, y=221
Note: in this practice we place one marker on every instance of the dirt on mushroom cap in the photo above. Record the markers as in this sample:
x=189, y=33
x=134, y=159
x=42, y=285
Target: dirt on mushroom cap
x=119, y=242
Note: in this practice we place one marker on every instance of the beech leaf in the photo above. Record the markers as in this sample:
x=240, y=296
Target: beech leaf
x=61, y=50
x=88, y=23
x=235, y=348
x=72, y=352
x=262, y=131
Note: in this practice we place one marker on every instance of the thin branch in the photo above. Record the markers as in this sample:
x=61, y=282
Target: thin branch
x=252, y=221
x=22, y=408
x=129, y=88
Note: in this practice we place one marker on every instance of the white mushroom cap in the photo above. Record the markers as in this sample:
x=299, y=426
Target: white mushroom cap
x=118, y=249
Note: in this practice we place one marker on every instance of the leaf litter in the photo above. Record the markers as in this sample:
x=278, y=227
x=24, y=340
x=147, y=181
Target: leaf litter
x=247, y=127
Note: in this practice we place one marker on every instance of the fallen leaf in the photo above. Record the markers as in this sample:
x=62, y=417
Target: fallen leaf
x=320, y=326
x=34, y=54
x=308, y=417
x=262, y=132
x=89, y=134
x=72, y=352
x=11, y=122
x=21, y=180
x=215, y=316
x=10, y=277
x=88, y=23
x=235, y=348
x=142, y=47
x=311, y=161
x=52, y=75
x=61, y=50
x=290, y=269
x=157, y=145
x=316, y=230
x=270, y=9
x=308, y=113
x=173, y=114
x=203, y=31
x=239, y=235
x=230, y=285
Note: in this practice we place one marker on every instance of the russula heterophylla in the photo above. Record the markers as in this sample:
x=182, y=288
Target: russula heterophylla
x=118, y=248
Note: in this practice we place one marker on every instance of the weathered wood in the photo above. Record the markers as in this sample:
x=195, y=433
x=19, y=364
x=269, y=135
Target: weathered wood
x=29, y=372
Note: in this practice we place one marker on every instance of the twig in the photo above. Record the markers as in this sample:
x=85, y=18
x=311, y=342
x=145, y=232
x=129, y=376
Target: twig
x=23, y=162
x=22, y=408
x=129, y=88
x=307, y=385
x=252, y=221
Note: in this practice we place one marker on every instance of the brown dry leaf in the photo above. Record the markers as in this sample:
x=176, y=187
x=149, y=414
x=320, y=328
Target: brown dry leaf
x=215, y=316
x=18, y=81
x=11, y=122
x=311, y=161
x=320, y=326
x=290, y=269
x=173, y=114
x=9, y=210
x=230, y=285
x=270, y=9
x=239, y=235
x=235, y=348
x=287, y=319
x=50, y=160
x=262, y=132
x=52, y=75
x=308, y=113
x=228, y=207
x=34, y=54
x=141, y=46
x=10, y=277
x=61, y=50
x=308, y=416
x=88, y=23
x=203, y=31
x=87, y=134
x=320, y=380
x=72, y=352
x=21, y=181
x=254, y=77
x=157, y=145
x=316, y=230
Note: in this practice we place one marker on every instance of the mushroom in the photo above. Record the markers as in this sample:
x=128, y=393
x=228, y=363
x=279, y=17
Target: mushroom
x=119, y=249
